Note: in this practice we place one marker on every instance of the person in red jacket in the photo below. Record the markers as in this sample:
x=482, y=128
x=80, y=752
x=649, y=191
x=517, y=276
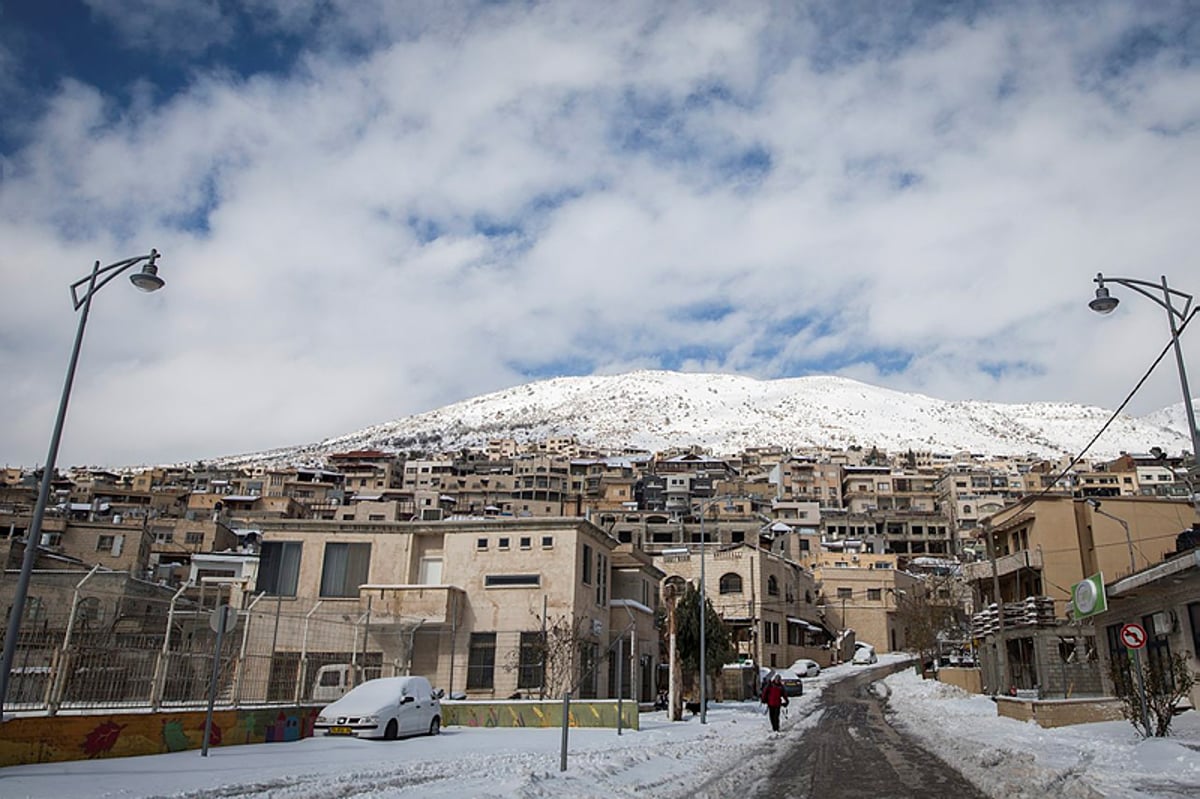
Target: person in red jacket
x=775, y=697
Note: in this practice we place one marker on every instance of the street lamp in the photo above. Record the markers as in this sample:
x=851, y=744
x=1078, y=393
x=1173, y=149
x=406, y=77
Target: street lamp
x=1104, y=303
x=1095, y=506
x=146, y=280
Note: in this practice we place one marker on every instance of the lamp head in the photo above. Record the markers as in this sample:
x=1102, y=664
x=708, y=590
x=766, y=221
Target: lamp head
x=1093, y=502
x=1102, y=303
x=148, y=280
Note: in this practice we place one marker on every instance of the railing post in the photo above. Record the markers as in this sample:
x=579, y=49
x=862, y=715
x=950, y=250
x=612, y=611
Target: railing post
x=302, y=665
x=159, y=683
x=61, y=666
x=240, y=673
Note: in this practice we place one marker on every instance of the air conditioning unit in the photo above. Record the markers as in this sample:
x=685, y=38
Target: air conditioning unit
x=597, y=626
x=431, y=514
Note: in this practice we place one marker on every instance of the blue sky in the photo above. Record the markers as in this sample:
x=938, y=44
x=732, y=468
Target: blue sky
x=368, y=209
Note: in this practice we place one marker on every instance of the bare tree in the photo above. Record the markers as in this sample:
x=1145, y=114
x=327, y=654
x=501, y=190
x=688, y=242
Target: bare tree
x=929, y=613
x=1165, y=689
x=550, y=654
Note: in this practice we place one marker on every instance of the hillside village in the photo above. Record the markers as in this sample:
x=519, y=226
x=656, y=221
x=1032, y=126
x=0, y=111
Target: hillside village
x=463, y=566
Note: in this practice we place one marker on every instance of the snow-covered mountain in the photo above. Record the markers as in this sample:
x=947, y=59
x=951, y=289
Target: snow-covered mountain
x=657, y=410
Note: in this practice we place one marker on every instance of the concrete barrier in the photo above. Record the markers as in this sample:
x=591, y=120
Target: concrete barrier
x=538, y=713
x=1059, y=712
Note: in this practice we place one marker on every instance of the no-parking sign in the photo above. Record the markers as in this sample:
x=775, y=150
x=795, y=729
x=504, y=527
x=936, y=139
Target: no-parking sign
x=1133, y=635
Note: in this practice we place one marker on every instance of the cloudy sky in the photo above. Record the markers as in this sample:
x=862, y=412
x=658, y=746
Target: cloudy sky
x=368, y=209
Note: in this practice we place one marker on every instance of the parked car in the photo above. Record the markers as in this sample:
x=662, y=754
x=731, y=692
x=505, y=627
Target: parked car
x=806, y=668
x=389, y=708
x=334, y=680
x=864, y=654
x=792, y=686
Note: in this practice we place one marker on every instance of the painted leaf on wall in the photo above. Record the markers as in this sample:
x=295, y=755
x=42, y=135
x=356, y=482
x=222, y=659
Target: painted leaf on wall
x=102, y=738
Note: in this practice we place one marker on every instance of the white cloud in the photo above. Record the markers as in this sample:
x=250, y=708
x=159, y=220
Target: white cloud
x=583, y=185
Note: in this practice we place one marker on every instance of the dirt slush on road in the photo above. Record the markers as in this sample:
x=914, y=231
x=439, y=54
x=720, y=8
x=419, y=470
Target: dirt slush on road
x=854, y=752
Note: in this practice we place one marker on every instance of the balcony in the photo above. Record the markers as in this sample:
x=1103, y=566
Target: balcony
x=432, y=604
x=1005, y=564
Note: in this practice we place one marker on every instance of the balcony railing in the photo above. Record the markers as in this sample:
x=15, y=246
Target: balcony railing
x=433, y=604
x=1005, y=564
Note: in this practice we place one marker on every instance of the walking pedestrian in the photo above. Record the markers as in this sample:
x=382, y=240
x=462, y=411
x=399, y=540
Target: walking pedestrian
x=774, y=697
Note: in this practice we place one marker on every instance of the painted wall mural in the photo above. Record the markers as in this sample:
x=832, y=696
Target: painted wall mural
x=49, y=739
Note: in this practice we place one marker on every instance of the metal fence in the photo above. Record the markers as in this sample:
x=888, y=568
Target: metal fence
x=116, y=644
x=141, y=646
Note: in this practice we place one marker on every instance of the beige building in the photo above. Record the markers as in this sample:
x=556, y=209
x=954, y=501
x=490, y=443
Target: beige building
x=768, y=601
x=1044, y=546
x=861, y=591
x=464, y=602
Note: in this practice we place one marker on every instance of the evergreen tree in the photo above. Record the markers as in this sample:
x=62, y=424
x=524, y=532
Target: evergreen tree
x=719, y=649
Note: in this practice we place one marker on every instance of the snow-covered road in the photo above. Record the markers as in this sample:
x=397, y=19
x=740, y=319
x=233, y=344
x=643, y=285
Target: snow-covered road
x=733, y=753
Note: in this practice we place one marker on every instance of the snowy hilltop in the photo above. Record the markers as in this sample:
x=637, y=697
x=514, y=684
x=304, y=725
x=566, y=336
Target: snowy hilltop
x=658, y=410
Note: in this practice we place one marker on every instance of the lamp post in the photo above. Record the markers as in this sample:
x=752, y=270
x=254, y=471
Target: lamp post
x=1104, y=303
x=146, y=280
x=1095, y=506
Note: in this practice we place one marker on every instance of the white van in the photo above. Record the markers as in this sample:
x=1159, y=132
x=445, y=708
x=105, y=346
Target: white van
x=334, y=680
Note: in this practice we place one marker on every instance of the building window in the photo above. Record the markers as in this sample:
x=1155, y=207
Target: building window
x=770, y=632
x=731, y=583
x=193, y=538
x=587, y=565
x=104, y=543
x=502, y=543
x=345, y=569
x=511, y=580
x=772, y=586
x=547, y=542
x=601, y=579
x=529, y=670
x=844, y=593
x=279, y=567
x=481, y=544
x=526, y=542
x=875, y=594
x=481, y=661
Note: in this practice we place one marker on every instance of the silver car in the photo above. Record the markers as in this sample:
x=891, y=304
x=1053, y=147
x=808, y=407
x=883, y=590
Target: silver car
x=388, y=708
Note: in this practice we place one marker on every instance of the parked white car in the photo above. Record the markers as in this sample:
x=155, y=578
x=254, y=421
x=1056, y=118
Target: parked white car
x=864, y=654
x=389, y=708
x=806, y=668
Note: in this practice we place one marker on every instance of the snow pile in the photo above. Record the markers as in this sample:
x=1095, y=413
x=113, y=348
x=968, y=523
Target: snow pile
x=663, y=759
x=1010, y=758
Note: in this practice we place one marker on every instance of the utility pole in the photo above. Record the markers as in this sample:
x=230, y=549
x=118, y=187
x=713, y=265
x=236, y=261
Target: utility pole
x=1001, y=645
x=674, y=698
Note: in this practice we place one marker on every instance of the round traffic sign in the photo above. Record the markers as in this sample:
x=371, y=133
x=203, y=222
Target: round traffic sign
x=1133, y=636
x=223, y=619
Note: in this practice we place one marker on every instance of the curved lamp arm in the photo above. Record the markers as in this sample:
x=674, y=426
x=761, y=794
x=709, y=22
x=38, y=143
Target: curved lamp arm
x=1165, y=301
x=146, y=280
